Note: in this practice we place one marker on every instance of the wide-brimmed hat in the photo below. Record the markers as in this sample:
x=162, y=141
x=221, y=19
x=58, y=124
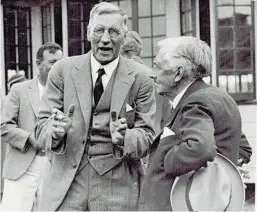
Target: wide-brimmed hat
x=218, y=187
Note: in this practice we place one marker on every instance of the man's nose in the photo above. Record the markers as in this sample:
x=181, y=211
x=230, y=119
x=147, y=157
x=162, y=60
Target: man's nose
x=106, y=37
x=153, y=76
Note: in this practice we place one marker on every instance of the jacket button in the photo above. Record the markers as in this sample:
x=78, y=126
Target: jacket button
x=95, y=113
x=89, y=156
x=83, y=142
x=74, y=166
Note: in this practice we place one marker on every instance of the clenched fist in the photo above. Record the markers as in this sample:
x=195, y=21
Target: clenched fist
x=62, y=122
x=118, y=128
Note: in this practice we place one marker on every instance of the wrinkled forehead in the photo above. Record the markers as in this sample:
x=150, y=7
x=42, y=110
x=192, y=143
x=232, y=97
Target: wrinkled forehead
x=165, y=54
x=107, y=19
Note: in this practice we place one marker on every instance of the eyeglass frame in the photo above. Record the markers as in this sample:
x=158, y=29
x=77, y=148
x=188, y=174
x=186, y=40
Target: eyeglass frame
x=108, y=29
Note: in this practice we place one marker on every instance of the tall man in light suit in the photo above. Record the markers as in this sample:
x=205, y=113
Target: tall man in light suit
x=23, y=163
x=95, y=156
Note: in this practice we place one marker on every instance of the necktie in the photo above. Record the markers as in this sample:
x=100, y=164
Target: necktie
x=99, y=89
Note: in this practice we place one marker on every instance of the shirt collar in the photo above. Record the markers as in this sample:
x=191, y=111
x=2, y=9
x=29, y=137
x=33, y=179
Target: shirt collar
x=108, y=68
x=179, y=96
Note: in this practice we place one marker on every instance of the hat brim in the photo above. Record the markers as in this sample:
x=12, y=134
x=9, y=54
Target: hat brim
x=178, y=190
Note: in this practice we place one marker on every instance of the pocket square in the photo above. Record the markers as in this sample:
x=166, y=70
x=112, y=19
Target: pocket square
x=128, y=108
x=167, y=132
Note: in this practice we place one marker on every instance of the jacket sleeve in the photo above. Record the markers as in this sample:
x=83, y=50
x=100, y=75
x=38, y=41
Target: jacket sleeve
x=138, y=139
x=245, y=150
x=52, y=98
x=10, y=131
x=196, y=144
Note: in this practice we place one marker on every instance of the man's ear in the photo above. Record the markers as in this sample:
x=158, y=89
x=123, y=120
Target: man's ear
x=88, y=34
x=179, y=73
x=38, y=62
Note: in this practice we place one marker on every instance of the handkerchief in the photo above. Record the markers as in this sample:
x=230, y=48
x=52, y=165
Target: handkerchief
x=167, y=132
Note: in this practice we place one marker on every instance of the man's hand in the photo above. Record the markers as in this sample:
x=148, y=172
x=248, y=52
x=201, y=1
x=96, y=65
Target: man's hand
x=62, y=122
x=118, y=128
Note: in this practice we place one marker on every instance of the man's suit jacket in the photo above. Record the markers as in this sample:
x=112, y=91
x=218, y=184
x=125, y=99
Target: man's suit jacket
x=70, y=82
x=19, y=116
x=205, y=121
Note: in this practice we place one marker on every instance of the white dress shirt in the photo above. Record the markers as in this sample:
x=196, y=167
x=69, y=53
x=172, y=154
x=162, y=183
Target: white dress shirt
x=108, y=68
x=40, y=88
x=167, y=131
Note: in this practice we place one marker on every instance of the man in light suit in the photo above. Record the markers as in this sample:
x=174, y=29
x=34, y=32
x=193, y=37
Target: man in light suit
x=23, y=163
x=205, y=120
x=96, y=122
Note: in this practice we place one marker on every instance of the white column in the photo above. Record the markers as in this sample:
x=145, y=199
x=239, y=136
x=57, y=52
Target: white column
x=2, y=67
x=172, y=18
x=213, y=21
x=65, y=28
x=52, y=23
x=197, y=18
x=36, y=35
x=255, y=38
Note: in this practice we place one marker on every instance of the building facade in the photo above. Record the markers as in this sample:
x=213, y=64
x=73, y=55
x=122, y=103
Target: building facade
x=228, y=26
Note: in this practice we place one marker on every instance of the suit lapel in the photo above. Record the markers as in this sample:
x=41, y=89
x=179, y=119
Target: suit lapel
x=198, y=84
x=82, y=79
x=33, y=95
x=122, y=84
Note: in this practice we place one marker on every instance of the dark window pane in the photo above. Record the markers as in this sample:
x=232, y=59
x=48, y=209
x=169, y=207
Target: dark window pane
x=225, y=16
x=226, y=37
x=10, y=54
x=23, y=54
x=243, y=59
x=243, y=37
x=74, y=12
x=74, y=30
x=243, y=16
x=75, y=47
x=226, y=59
x=22, y=21
x=22, y=38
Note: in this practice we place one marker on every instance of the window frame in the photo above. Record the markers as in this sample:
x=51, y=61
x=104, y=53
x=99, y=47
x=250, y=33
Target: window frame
x=29, y=72
x=239, y=97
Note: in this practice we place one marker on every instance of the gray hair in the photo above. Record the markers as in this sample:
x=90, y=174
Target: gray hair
x=135, y=44
x=196, y=54
x=108, y=8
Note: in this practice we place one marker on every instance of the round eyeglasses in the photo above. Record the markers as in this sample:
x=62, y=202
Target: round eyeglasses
x=113, y=32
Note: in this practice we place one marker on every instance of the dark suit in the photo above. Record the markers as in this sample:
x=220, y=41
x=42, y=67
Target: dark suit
x=205, y=121
x=88, y=144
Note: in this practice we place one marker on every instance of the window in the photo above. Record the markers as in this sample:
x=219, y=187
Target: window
x=78, y=18
x=188, y=17
x=148, y=18
x=126, y=5
x=17, y=46
x=235, y=48
x=152, y=27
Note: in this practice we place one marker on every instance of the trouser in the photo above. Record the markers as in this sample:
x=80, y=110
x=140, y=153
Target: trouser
x=116, y=190
x=19, y=194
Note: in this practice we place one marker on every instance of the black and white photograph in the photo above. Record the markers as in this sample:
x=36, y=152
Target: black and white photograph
x=128, y=105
